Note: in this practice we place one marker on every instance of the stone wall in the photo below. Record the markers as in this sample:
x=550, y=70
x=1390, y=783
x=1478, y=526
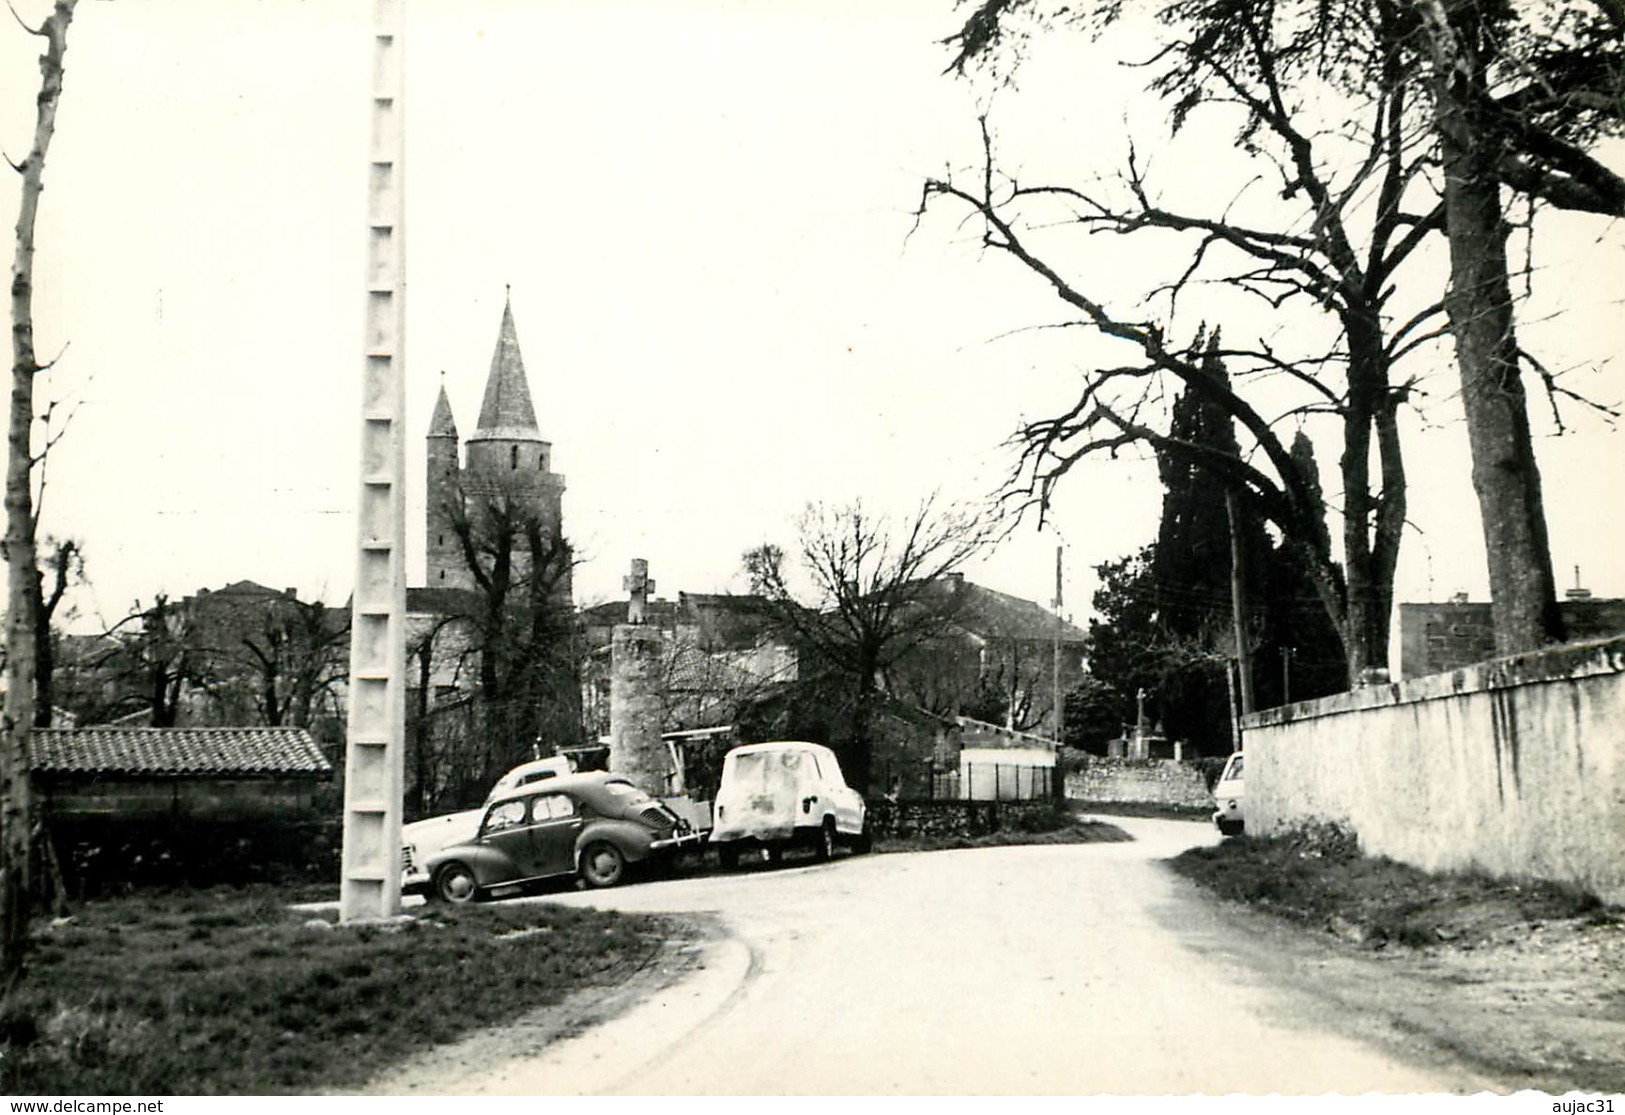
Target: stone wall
x=1144, y=781
x=950, y=819
x=1514, y=767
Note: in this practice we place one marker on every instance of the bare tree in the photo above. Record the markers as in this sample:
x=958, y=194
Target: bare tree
x=290, y=663
x=66, y=564
x=877, y=594
x=521, y=564
x=1324, y=262
x=1505, y=96
x=1514, y=102
x=16, y=810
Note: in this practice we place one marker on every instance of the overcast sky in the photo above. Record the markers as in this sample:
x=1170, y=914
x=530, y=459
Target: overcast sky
x=703, y=210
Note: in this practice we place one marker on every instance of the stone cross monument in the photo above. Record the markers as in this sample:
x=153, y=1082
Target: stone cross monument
x=638, y=587
x=635, y=683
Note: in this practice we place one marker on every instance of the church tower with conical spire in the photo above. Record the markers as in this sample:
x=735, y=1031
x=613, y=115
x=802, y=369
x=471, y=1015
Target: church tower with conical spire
x=443, y=553
x=507, y=473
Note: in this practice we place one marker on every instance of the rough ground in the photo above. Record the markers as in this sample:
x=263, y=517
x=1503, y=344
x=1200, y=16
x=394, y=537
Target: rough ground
x=1100, y=977
x=1523, y=980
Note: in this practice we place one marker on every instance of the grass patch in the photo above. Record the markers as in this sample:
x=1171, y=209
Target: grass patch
x=230, y=992
x=1319, y=876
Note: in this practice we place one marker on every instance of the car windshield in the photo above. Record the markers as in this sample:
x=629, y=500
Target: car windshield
x=626, y=792
x=1234, y=770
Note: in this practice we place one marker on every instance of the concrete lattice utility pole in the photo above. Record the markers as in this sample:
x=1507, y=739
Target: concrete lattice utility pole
x=1058, y=721
x=370, y=884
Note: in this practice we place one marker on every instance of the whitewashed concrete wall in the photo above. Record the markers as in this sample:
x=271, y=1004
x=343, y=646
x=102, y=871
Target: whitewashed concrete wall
x=1514, y=767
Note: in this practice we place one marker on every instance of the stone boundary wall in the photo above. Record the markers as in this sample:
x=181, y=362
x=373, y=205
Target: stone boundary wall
x=1513, y=767
x=1145, y=781
x=942, y=819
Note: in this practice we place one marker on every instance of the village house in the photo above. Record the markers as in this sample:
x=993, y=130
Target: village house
x=1439, y=638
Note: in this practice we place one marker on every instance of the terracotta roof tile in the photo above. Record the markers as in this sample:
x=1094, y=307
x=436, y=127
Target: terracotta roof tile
x=178, y=752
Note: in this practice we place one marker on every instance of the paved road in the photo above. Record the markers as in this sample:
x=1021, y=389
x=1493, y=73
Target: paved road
x=1069, y=969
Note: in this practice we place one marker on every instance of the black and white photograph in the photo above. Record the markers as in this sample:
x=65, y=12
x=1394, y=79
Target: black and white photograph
x=813, y=548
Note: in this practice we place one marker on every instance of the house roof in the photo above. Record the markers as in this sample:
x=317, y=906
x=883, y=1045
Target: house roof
x=998, y=615
x=240, y=588
x=659, y=612
x=178, y=752
x=506, y=411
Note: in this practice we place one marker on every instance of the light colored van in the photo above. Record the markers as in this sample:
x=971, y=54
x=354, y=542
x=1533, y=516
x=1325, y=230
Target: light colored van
x=785, y=794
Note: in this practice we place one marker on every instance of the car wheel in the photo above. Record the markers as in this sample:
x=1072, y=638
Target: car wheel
x=602, y=864
x=455, y=883
x=825, y=848
x=863, y=843
x=728, y=856
x=775, y=855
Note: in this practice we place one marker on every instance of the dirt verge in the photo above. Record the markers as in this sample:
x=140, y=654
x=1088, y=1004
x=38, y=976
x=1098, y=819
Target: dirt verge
x=1526, y=980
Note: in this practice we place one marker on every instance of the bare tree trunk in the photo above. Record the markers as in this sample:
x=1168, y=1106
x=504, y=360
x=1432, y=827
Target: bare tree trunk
x=1523, y=592
x=22, y=574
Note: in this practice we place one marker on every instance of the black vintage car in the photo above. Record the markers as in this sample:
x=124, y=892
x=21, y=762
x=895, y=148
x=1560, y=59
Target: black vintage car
x=594, y=825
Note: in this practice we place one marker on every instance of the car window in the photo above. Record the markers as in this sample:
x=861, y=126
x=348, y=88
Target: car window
x=1235, y=767
x=831, y=768
x=505, y=816
x=750, y=771
x=550, y=807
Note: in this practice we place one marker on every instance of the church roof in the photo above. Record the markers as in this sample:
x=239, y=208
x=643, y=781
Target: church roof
x=506, y=411
x=441, y=424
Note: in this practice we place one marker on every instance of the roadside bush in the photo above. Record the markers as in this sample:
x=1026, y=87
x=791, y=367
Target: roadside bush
x=112, y=857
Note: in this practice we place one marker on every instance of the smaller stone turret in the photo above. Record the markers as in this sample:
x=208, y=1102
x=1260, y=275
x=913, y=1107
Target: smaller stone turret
x=444, y=565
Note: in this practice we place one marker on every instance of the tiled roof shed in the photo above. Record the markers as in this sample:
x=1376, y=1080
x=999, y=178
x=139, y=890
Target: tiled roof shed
x=185, y=753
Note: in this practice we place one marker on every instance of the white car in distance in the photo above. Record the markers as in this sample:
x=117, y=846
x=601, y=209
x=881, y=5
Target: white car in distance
x=1229, y=796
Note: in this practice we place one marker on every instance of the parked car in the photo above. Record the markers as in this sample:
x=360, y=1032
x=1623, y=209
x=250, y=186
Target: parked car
x=1228, y=795
x=422, y=839
x=782, y=795
x=593, y=825
x=525, y=773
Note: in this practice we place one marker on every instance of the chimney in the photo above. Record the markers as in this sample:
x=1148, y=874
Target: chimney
x=1459, y=598
x=1578, y=592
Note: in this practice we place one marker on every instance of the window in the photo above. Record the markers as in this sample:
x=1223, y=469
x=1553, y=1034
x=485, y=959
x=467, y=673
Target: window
x=551, y=807
x=541, y=461
x=509, y=814
x=513, y=456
